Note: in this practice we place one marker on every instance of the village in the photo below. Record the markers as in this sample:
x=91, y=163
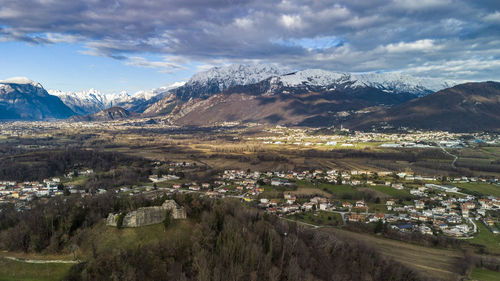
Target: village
x=418, y=203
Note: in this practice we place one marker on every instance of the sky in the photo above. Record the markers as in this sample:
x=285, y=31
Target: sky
x=130, y=45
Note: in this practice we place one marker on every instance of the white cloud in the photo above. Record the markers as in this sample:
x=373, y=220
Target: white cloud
x=424, y=45
x=164, y=66
x=493, y=17
x=291, y=21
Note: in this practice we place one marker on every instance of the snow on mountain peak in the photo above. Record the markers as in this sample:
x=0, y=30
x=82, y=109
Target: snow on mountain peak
x=21, y=80
x=235, y=74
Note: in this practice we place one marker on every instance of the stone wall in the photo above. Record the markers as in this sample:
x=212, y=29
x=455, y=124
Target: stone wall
x=149, y=215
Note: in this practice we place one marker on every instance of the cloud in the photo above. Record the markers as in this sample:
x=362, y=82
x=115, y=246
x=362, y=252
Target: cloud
x=424, y=45
x=165, y=66
x=343, y=35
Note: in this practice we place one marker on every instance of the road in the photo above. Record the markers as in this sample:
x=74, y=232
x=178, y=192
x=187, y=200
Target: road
x=454, y=156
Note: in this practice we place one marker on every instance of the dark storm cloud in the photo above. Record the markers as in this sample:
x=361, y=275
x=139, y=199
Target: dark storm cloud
x=457, y=39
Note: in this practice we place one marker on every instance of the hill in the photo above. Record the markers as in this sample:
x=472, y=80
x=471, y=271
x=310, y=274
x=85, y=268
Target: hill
x=23, y=99
x=462, y=108
x=110, y=114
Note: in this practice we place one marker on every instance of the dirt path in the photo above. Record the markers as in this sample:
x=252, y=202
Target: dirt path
x=41, y=261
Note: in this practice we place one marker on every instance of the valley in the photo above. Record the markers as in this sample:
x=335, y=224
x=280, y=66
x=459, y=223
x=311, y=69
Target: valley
x=339, y=179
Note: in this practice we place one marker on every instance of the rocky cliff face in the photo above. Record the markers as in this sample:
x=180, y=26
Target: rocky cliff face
x=148, y=215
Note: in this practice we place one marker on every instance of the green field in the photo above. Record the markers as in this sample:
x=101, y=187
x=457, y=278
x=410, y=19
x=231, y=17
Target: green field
x=339, y=191
x=483, y=188
x=22, y=271
x=394, y=193
x=482, y=274
x=318, y=218
x=486, y=238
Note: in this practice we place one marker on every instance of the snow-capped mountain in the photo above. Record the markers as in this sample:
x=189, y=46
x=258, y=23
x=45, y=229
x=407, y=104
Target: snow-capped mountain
x=321, y=80
x=218, y=79
x=264, y=93
x=85, y=102
x=23, y=99
x=93, y=101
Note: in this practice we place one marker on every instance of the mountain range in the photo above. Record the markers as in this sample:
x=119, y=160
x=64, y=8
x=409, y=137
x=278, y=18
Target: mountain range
x=465, y=107
x=23, y=99
x=267, y=94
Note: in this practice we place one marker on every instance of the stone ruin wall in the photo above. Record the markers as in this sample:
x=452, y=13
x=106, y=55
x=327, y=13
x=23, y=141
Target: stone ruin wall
x=148, y=215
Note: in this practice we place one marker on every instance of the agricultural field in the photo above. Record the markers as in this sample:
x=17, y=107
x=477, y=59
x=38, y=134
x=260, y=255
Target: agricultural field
x=483, y=188
x=482, y=274
x=435, y=264
x=487, y=239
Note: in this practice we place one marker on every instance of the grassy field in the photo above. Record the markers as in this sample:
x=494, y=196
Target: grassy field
x=482, y=274
x=22, y=271
x=107, y=238
x=394, y=193
x=436, y=264
x=486, y=238
x=339, y=191
x=318, y=218
x=484, y=188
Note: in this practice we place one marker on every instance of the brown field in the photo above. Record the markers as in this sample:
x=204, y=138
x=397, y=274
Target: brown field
x=436, y=264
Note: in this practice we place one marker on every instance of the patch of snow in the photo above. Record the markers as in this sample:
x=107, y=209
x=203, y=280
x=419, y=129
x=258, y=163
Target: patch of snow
x=21, y=80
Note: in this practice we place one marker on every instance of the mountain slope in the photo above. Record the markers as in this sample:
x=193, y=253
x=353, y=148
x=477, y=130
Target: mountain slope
x=93, y=101
x=250, y=103
x=217, y=79
x=270, y=80
x=465, y=107
x=109, y=114
x=23, y=99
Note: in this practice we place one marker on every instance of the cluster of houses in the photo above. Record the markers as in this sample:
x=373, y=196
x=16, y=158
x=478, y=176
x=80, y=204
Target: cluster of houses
x=411, y=139
x=11, y=191
x=435, y=209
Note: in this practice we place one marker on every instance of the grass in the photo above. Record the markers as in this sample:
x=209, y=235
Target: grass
x=318, y=218
x=484, y=274
x=435, y=264
x=272, y=192
x=394, y=193
x=486, y=238
x=483, y=188
x=22, y=271
x=339, y=191
x=377, y=208
x=107, y=238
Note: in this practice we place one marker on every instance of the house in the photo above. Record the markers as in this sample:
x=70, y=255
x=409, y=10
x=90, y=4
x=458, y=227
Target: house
x=346, y=205
x=323, y=206
x=353, y=217
x=194, y=187
x=361, y=204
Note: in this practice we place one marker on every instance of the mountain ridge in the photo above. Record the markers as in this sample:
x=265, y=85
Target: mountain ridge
x=23, y=99
x=473, y=106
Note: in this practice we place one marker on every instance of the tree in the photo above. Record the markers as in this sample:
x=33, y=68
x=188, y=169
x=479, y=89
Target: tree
x=379, y=227
x=168, y=219
x=119, y=220
x=339, y=178
x=67, y=192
